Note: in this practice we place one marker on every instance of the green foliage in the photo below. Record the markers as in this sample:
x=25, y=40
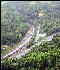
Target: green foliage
x=45, y=57
x=14, y=18
x=12, y=27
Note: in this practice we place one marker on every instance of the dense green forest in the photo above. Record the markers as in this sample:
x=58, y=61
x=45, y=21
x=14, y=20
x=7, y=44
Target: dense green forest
x=12, y=26
x=44, y=57
x=15, y=18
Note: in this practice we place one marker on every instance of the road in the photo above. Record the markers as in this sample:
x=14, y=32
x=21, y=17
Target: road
x=21, y=50
x=22, y=47
x=37, y=34
x=28, y=50
x=49, y=38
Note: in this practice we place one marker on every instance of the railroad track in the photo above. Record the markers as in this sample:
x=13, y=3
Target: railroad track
x=17, y=51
